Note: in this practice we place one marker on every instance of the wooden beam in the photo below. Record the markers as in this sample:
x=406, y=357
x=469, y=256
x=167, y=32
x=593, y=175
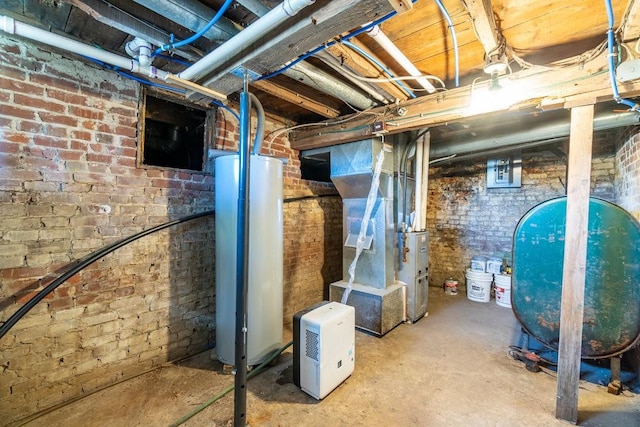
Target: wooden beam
x=632, y=29
x=363, y=67
x=295, y=98
x=484, y=23
x=557, y=87
x=575, y=260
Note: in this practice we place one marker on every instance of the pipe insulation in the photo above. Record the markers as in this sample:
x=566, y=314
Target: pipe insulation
x=385, y=42
x=248, y=36
x=11, y=26
x=555, y=129
x=417, y=225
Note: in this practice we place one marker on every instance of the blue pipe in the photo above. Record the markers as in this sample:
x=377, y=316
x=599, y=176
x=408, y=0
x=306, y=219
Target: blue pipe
x=375, y=61
x=454, y=37
x=197, y=35
x=611, y=61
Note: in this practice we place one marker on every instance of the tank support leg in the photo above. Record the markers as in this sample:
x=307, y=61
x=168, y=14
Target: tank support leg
x=615, y=386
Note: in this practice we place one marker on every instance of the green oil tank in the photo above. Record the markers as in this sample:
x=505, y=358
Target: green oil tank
x=611, y=322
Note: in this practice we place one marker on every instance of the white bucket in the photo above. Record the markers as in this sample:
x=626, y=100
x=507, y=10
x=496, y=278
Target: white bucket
x=479, y=286
x=503, y=290
x=479, y=263
x=494, y=265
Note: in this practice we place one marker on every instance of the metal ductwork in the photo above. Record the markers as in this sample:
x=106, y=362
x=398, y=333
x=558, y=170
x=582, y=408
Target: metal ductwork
x=559, y=128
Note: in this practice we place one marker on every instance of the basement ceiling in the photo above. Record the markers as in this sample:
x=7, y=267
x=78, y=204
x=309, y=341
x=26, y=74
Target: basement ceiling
x=520, y=34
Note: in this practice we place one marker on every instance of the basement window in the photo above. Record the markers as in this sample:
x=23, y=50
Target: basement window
x=172, y=134
x=316, y=167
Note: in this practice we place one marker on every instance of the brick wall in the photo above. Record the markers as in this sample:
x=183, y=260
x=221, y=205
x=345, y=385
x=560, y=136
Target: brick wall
x=628, y=172
x=69, y=185
x=466, y=219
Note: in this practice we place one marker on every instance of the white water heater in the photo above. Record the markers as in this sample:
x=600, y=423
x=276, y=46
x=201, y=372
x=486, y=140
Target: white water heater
x=324, y=347
x=264, y=313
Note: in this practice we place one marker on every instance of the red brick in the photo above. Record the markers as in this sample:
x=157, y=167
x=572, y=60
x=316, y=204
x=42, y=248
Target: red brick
x=10, y=110
x=38, y=103
x=12, y=73
x=17, y=137
x=19, y=86
x=57, y=119
x=9, y=148
x=70, y=155
x=166, y=183
x=132, y=181
x=49, y=81
x=66, y=97
x=23, y=273
x=56, y=131
x=99, y=158
x=48, y=141
x=130, y=132
x=60, y=303
x=86, y=113
x=128, y=162
x=81, y=134
x=23, y=298
x=27, y=126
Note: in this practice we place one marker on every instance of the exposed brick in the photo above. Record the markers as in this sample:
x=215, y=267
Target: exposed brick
x=38, y=103
x=19, y=112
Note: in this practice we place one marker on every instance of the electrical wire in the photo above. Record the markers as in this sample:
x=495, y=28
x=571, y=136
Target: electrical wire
x=228, y=389
x=379, y=64
x=611, y=60
x=197, y=35
x=454, y=38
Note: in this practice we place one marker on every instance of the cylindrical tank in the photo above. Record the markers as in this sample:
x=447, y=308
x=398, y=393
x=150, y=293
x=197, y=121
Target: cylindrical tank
x=264, y=315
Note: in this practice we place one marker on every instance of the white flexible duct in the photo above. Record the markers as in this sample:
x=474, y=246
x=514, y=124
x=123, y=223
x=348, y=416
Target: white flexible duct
x=250, y=35
x=11, y=26
x=417, y=224
x=385, y=42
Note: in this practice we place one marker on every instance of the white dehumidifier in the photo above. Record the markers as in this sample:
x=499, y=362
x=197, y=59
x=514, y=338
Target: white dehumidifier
x=323, y=347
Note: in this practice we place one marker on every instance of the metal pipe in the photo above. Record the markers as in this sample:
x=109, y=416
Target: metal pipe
x=246, y=37
x=556, y=129
x=192, y=15
x=257, y=142
x=254, y=6
x=11, y=26
x=375, y=92
x=424, y=185
x=318, y=79
x=242, y=262
x=385, y=42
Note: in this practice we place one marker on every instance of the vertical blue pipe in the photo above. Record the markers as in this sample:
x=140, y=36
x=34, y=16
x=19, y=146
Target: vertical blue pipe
x=242, y=263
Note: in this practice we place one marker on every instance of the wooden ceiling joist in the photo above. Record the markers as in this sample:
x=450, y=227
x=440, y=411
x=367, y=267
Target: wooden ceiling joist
x=296, y=98
x=560, y=88
x=481, y=12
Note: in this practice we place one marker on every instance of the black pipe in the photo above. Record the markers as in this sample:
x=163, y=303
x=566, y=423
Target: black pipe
x=311, y=196
x=85, y=262
x=242, y=262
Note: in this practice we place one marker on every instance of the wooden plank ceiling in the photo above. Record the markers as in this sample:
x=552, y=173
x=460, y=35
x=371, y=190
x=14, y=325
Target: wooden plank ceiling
x=528, y=31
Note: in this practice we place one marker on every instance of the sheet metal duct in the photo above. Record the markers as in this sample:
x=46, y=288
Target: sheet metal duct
x=512, y=140
x=352, y=168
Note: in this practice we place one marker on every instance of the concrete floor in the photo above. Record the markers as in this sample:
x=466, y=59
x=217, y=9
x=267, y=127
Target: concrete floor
x=449, y=369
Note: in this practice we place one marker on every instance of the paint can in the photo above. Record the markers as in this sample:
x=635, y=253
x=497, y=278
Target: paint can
x=450, y=287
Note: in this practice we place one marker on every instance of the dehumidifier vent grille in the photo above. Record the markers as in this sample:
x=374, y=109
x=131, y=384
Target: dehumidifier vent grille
x=312, y=350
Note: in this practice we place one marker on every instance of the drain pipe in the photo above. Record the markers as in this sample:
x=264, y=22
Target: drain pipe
x=385, y=42
x=246, y=37
x=418, y=186
x=257, y=142
x=11, y=26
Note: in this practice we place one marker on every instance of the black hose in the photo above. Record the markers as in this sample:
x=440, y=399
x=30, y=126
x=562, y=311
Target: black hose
x=312, y=196
x=85, y=262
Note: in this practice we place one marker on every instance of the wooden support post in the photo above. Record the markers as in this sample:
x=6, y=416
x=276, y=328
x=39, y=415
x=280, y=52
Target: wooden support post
x=575, y=257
